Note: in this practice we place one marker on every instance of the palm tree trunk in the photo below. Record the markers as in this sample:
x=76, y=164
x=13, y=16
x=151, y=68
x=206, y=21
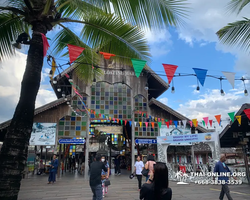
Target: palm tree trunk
x=13, y=154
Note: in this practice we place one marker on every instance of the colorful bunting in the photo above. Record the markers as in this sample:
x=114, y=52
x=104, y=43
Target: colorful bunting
x=138, y=66
x=74, y=52
x=230, y=77
x=152, y=124
x=130, y=123
x=121, y=121
x=175, y=123
x=191, y=123
x=106, y=55
x=205, y=120
x=170, y=122
x=201, y=75
x=231, y=115
x=135, y=123
x=169, y=70
x=159, y=119
x=239, y=119
x=159, y=124
x=140, y=123
x=194, y=122
x=167, y=123
x=125, y=121
x=247, y=112
x=117, y=120
x=218, y=118
x=184, y=121
x=45, y=44
x=146, y=123
x=211, y=122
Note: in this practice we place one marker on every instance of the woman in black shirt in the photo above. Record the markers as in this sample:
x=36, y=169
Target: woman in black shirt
x=156, y=188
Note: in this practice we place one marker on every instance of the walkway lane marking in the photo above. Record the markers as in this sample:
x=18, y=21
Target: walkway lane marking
x=232, y=192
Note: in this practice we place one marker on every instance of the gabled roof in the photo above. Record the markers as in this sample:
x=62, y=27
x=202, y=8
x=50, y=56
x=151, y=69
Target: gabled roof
x=38, y=110
x=176, y=114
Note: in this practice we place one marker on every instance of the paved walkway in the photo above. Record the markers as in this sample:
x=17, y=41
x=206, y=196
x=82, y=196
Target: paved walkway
x=74, y=187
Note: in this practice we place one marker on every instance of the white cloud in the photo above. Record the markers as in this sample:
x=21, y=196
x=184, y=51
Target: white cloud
x=164, y=100
x=10, y=84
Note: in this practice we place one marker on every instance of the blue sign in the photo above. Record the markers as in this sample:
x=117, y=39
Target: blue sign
x=71, y=141
x=146, y=141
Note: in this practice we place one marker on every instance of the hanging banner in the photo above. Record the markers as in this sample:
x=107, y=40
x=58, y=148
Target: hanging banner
x=191, y=123
x=107, y=56
x=218, y=118
x=184, y=123
x=110, y=129
x=205, y=120
x=231, y=115
x=138, y=66
x=247, y=112
x=74, y=52
x=175, y=123
x=211, y=122
x=201, y=75
x=194, y=122
x=169, y=70
x=189, y=138
x=230, y=77
x=239, y=119
x=166, y=130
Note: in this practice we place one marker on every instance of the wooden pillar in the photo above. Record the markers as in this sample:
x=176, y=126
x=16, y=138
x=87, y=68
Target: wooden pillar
x=59, y=160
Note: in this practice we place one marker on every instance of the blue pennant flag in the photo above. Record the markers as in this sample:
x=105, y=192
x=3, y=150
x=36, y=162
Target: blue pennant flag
x=176, y=123
x=201, y=75
x=130, y=123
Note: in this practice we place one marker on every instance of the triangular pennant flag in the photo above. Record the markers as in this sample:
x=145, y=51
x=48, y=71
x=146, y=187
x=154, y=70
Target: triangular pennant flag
x=205, y=120
x=169, y=70
x=239, y=119
x=135, y=123
x=121, y=121
x=140, y=123
x=191, y=123
x=110, y=118
x=194, y=122
x=175, y=123
x=152, y=124
x=117, y=120
x=162, y=120
x=179, y=122
x=211, y=122
x=45, y=44
x=106, y=55
x=100, y=115
x=201, y=75
x=125, y=121
x=247, y=112
x=130, y=123
x=159, y=124
x=146, y=123
x=74, y=52
x=184, y=123
x=94, y=112
x=170, y=122
x=167, y=123
x=156, y=119
x=231, y=115
x=113, y=119
x=138, y=66
x=159, y=119
x=230, y=77
x=218, y=118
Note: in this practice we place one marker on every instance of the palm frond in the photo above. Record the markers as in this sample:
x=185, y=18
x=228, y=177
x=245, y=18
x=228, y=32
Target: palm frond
x=147, y=13
x=237, y=5
x=236, y=33
x=10, y=27
x=47, y=7
x=85, y=71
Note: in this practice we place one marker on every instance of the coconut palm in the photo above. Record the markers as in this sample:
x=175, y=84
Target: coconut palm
x=109, y=25
x=236, y=33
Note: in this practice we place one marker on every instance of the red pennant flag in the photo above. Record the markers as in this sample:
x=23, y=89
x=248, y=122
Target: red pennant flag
x=170, y=70
x=74, y=52
x=45, y=44
x=125, y=121
x=100, y=115
x=211, y=122
x=91, y=111
x=197, y=124
x=152, y=124
x=170, y=122
x=247, y=112
x=107, y=55
x=167, y=123
x=94, y=112
x=218, y=118
x=67, y=76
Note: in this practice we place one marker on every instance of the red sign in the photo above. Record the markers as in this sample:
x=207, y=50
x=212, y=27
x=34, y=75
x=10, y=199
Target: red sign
x=183, y=169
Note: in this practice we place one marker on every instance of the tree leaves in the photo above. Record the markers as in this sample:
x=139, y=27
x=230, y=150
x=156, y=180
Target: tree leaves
x=237, y=5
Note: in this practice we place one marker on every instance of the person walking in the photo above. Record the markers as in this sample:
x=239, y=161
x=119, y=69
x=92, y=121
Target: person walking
x=150, y=165
x=117, y=165
x=53, y=170
x=105, y=176
x=137, y=171
x=156, y=188
x=95, y=183
x=222, y=168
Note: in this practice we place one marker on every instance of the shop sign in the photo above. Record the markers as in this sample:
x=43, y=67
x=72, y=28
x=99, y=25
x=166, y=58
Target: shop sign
x=71, y=141
x=146, y=141
x=110, y=129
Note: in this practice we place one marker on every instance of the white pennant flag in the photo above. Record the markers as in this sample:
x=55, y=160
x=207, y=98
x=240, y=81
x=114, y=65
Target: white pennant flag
x=179, y=123
x=230, y=77
x=135, y=123
x=184, y=123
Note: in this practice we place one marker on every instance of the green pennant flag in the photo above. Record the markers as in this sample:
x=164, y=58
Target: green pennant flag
x=159, y=124
x=231, y=115
x=138, y=66
x=121, y=121
x=203, y=122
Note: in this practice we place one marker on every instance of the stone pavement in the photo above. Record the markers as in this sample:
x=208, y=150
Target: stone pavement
x=73, y=186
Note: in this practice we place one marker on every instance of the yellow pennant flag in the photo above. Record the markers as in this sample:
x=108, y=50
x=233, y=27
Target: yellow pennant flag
x=194, y=122
x=140, y=123
x=109, y=118
x=53, y=68
x=239, y=119
x=156, y=119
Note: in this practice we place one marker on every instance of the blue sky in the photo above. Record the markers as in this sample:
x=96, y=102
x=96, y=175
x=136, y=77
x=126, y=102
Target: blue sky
x=193, y=46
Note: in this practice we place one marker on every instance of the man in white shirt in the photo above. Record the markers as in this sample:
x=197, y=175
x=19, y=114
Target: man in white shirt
x=138, y=168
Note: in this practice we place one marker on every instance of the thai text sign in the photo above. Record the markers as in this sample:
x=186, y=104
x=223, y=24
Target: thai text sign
x=71, y=141
x=185, y=139
x=110, y=129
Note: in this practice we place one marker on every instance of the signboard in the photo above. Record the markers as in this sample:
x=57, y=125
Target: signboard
x=172, y=130
x=146, y=141
x=71, y=141
x=185, y=139
x=110, y=129
x=43, y=134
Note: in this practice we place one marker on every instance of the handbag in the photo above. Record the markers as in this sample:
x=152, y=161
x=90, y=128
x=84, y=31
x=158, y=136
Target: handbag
x=145, y=172
x=107, y=182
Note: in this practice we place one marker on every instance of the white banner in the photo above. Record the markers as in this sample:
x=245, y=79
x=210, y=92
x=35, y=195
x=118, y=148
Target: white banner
x=110, y=129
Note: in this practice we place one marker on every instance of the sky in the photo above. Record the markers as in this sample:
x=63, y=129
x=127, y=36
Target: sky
x=194, y=45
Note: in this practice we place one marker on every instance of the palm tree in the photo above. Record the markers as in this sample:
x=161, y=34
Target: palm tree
x=236, y=33
x=108, y=25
